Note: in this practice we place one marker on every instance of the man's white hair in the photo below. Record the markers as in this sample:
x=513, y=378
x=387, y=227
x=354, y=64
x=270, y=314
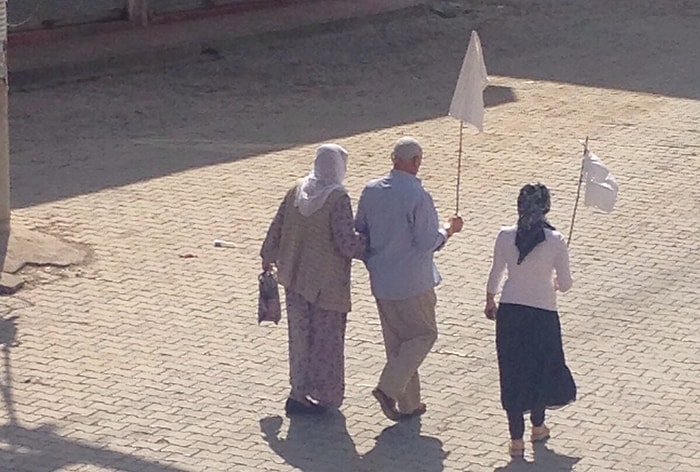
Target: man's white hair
x=406, y=148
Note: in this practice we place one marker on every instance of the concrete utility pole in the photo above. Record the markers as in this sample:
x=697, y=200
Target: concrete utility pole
x=4, y=131
x=19, y=246
x=138, y=12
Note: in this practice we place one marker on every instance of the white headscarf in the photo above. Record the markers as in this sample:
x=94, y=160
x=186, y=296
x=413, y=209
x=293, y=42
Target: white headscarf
x=327, y=175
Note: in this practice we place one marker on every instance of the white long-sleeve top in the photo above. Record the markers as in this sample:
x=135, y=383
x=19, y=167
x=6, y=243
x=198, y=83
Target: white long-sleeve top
x=531, y=283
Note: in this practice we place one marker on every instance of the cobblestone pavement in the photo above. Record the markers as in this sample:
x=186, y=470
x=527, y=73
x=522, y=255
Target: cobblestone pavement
x=145, y=360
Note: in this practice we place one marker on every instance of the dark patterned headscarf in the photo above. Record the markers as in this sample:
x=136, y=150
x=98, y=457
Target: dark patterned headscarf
x=533, y=205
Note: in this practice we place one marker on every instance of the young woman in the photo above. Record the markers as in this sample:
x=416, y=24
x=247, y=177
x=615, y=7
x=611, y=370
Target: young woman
x=532, y=368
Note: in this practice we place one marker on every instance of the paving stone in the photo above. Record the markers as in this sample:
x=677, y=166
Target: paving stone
x=143, y=360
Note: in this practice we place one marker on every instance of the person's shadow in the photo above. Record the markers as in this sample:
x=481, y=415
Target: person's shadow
x=42, y=448
x=8, y=339
x=545, y=460
x=322, y=444
x=313, y=443
x=401, y=448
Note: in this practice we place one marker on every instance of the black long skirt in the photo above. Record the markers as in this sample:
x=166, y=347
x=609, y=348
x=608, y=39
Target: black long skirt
x=531, y=363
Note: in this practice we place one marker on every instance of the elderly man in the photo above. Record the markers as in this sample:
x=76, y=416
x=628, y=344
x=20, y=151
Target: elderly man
x=398, y=217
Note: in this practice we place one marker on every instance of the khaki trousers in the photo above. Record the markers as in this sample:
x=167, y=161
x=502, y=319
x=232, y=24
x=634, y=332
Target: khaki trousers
x=409, y=330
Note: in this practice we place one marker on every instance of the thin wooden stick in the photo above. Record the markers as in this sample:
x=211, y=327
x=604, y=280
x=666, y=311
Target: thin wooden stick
x=578, y=193
x=459, y=164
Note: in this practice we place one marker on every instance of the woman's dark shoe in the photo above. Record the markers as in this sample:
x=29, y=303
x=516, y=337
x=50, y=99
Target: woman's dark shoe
x=295, y=407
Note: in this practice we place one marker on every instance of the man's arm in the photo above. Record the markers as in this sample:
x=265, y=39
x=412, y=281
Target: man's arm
x=350, y=243
x=361, y=216
x=427, y=233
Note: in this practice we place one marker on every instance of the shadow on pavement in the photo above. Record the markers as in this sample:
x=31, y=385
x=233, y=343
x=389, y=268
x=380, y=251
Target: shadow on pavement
x=632, y=45
x=545, y=460
x=42, y=449
x=323, y=444
x=401, y=448
x=313, y=444
x=8, y=339
x=284, y=90
x=274, y=93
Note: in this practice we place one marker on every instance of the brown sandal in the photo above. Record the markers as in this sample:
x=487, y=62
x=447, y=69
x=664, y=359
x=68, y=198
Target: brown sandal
x=422, y=408
x=516, y=448
x=539, y=433
x=387, y=404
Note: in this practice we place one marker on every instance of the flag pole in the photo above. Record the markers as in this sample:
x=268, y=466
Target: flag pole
x=578, y=192
x=459, y=163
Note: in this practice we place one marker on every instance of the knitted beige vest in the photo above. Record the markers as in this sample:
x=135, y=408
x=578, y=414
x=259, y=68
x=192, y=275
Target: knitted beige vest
x=308, y=262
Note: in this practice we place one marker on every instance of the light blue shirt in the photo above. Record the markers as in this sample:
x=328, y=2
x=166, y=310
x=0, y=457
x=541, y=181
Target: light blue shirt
x=398, y=217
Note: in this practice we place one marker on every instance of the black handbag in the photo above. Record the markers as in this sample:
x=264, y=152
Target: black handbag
x=268, y=298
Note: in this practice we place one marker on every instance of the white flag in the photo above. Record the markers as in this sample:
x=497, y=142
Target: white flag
x=468, y=99
x=601, y=188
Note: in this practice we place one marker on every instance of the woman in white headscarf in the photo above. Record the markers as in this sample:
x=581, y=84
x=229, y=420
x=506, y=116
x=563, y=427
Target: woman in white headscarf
x=312, y=241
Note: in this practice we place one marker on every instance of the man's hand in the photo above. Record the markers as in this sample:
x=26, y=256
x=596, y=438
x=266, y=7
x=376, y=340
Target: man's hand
x=454, y=225
x=267, y=266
